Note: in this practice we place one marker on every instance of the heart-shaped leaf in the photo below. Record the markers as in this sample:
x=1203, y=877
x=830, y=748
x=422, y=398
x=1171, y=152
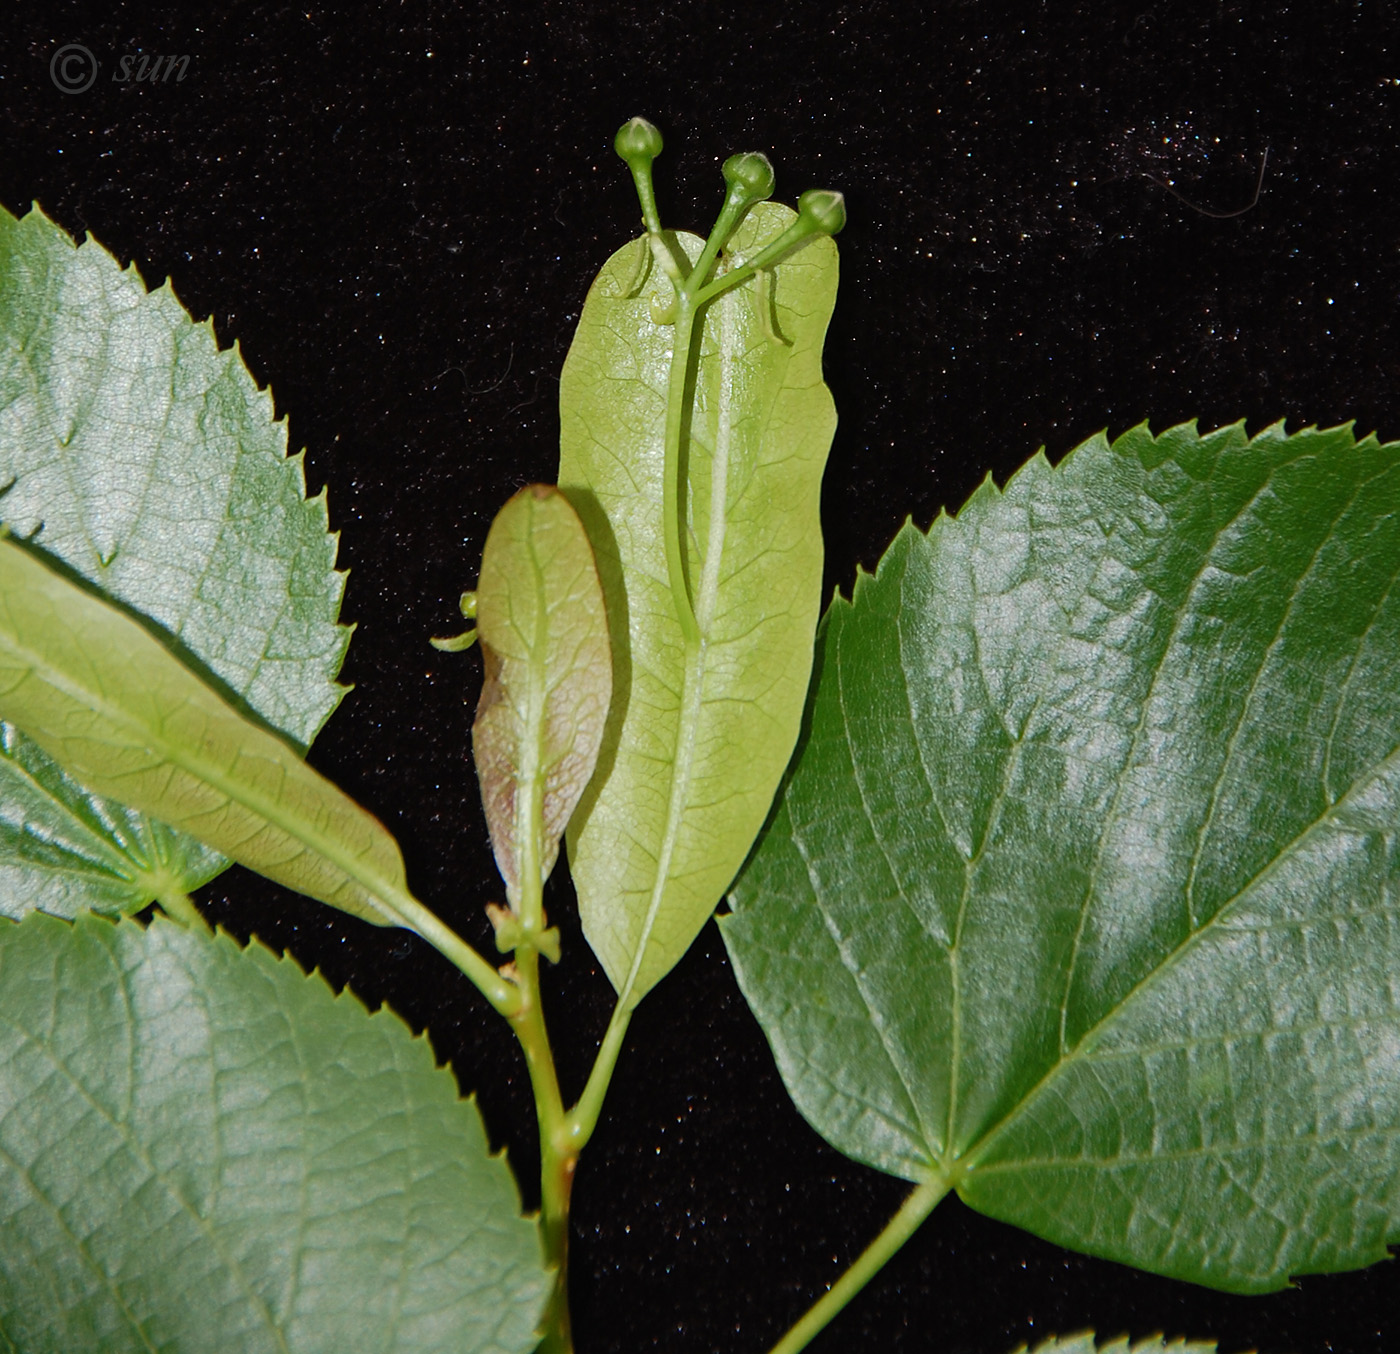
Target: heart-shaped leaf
x=1084, y=895
x=147, y=460
x=201, y=1148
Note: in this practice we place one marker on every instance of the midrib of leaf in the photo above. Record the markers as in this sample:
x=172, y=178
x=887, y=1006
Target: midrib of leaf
x=970, y=864
x=693, y=673
x=389, y=896
x=123, y=1131
x=970, y=867
x=854, y=968
x=968, y=1161
x=529, y=807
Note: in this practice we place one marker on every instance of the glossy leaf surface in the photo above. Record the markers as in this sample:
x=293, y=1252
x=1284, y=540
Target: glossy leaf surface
x=201, y=1148
x=106, y=699
x=543, y=632
x=697, y=739
x=1084, y=892
x=148, y=462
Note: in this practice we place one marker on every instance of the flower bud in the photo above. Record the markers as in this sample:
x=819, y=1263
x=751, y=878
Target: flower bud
x=750, y=174
x=637, y=141
x=823, y=209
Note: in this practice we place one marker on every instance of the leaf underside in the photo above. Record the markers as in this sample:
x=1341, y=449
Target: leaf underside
x=107, y=700
x=1083, y=1343
x=695, y=744
x=543, y=632
x=147, y=461
x=1085, y=889
x=201, y=1148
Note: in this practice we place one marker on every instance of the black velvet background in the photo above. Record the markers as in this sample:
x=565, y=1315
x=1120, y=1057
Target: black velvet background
x=396, y=210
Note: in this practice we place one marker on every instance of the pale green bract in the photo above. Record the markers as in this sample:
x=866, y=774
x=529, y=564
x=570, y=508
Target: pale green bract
x=695, y=745
x=201, y=1148
x=1083, y=895
x=543, y=632
x=147, y=461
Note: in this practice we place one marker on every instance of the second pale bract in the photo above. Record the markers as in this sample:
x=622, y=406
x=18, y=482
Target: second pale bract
x=698, y=735
x=544, y=639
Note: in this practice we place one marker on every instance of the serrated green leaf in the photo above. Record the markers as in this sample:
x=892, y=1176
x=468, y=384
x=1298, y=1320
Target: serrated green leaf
x=106, y=699
x=696, y=741
x=1084, y=894
x=1083, y=1343
x=202, y=1149
x=148, y=462
x=543, y=632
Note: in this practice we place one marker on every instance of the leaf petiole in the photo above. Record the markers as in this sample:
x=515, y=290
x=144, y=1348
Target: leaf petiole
x=924, y=1199
x=503, y=994
x=179, y=907
x=583, y=1118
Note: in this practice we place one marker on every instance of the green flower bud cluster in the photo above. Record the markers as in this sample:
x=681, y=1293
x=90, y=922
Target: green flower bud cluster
x=749, y=178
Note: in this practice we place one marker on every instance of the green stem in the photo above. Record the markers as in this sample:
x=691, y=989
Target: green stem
x=681, y=344
x=691, y=296
x=563, y=1135
x=558, y=1157
x=728, y=221
x=646, y=196
x=765, y=258
x=898, y=1230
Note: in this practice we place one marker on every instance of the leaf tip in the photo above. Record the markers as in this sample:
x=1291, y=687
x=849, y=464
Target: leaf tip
x=863, y=579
